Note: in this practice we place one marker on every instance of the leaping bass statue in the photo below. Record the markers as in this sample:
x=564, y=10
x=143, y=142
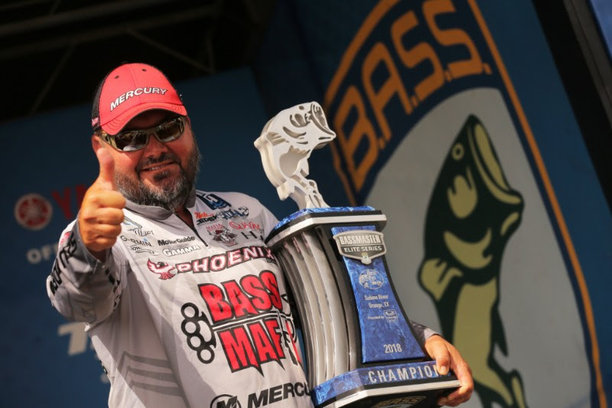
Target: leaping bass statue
x=285, y=144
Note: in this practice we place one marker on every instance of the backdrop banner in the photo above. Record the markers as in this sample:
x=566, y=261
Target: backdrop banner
x=451, y=119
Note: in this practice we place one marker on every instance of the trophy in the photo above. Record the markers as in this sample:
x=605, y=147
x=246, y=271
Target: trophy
x=359, y=344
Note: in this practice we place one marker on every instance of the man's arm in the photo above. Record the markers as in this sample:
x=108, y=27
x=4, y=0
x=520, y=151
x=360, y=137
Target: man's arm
x=81, y=287
x=84, y=284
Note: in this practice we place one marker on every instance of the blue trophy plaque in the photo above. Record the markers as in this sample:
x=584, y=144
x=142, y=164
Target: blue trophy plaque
x=360, y=347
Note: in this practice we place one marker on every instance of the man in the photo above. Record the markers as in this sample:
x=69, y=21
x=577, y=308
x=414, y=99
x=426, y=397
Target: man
x=183, y=309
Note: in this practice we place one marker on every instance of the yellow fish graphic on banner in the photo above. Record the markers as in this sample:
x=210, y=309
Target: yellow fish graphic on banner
x=472, y=214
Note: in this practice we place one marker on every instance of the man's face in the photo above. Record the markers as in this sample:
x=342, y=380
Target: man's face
x=161, y=174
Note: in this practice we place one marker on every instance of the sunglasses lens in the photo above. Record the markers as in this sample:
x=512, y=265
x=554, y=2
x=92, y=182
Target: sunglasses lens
x=131, y=140
x=171, y=130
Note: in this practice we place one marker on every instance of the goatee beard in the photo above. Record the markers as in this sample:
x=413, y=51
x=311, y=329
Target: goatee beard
x=171, y=196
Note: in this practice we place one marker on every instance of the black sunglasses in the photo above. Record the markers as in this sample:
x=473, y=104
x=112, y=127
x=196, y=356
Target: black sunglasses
x=133, y=140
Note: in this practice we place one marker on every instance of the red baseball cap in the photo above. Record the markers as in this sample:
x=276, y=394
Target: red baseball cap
x=129, y=90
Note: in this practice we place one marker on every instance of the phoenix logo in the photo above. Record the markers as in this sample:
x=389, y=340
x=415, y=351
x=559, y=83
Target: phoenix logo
x=163, y=269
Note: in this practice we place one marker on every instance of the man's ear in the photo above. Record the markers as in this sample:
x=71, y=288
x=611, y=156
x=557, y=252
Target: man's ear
x=96, y=143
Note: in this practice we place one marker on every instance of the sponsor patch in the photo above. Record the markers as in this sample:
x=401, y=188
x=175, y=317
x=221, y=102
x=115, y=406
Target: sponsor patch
x=363, y=245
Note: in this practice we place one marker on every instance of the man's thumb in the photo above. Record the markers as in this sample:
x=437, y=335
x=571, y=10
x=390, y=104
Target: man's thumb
x=107, y=168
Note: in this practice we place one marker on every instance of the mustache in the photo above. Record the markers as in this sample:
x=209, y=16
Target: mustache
x=165, y=156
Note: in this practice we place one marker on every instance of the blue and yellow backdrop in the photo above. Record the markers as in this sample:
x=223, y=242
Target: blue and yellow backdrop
x=450, y=118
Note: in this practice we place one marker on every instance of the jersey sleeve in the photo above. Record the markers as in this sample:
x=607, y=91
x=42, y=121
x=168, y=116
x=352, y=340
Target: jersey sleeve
x=421, y=332
x=81, y=287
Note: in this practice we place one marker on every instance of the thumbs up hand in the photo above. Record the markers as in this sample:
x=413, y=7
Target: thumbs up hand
x=101, y=211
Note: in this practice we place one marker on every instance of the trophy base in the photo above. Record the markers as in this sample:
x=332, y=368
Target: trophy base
x=405, y=385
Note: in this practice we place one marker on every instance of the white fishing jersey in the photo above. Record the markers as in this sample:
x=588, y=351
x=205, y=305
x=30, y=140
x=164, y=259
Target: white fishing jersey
x=183, y=317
